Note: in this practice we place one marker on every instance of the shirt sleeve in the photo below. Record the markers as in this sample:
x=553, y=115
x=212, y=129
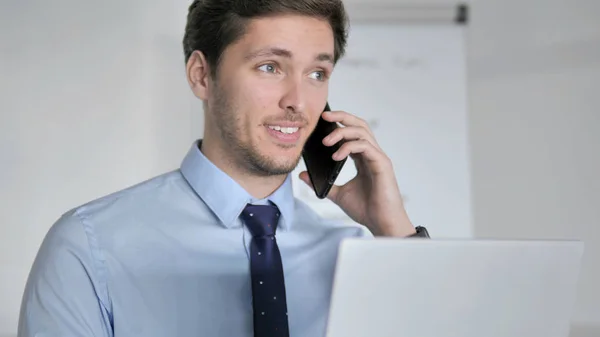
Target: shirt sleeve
x=63, y=294
x=364, y=232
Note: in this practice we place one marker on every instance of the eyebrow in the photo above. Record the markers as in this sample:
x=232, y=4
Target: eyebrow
x=273, y=51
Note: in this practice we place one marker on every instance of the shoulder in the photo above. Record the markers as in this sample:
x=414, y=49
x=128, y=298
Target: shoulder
x=141, y=194
x=132, y=208
x=142, y=201
x=130, y=200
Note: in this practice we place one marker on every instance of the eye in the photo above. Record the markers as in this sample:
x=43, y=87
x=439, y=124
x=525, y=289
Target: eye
x=268, y=68
x=319, y=75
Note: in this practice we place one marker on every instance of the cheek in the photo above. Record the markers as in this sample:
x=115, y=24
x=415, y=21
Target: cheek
x=316, y=104
x=261, y=99
x=255, y=103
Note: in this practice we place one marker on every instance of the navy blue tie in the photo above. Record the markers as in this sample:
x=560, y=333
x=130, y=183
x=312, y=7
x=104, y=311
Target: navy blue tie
x=266, y=269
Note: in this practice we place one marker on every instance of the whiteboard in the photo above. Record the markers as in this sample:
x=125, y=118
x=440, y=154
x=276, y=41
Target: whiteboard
x=409, y=83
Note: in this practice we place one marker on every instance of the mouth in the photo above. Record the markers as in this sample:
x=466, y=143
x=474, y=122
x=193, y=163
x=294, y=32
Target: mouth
x=287, y=130
x=285, y=133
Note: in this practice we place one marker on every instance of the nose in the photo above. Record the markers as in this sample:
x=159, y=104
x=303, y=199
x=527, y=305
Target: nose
x=294, y=98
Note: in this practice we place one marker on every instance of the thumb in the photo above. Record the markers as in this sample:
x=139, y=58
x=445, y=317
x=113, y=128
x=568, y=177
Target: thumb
x=305, y=178
x=332, y=195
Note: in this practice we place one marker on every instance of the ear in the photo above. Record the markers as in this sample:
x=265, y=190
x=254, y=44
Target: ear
x=198, y=75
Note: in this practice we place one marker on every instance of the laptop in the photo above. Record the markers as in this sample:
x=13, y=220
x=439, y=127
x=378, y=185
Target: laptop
x=387, y=287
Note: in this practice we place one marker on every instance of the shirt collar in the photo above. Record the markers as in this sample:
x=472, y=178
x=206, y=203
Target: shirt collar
x=224, y=196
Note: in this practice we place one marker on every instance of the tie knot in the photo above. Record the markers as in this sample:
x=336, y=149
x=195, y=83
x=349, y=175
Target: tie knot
x=261, y=220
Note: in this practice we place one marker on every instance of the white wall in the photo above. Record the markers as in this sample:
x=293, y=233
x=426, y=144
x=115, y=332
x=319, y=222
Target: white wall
x=534, y=118
x=84, y=102
x=534, y=88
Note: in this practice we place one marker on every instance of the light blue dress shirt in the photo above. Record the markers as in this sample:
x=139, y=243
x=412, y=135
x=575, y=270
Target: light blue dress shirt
x=169, y=257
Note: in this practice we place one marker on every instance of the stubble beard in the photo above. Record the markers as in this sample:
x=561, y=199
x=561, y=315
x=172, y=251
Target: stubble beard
x=243, y=154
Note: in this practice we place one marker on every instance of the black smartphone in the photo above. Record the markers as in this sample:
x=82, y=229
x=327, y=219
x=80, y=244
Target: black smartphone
x=322, y=169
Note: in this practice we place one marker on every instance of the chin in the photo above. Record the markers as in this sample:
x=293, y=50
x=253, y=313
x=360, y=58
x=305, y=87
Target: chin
x=276, y=162
x=289, y=151
x=289, y=159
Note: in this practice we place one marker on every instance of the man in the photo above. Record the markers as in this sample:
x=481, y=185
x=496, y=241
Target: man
x=220, y=247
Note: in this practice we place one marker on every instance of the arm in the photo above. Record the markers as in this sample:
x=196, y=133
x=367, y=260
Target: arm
x=64, y=296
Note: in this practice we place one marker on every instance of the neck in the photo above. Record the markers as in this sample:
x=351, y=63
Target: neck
x=257, y=186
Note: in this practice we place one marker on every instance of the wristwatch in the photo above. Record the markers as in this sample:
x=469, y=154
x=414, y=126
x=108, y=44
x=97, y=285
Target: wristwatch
x=421, y=233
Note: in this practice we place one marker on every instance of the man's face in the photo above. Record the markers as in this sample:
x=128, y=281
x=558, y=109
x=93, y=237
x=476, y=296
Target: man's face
x=270, y=90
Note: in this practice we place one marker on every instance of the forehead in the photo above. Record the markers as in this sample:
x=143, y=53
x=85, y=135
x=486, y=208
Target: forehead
x=302, y=35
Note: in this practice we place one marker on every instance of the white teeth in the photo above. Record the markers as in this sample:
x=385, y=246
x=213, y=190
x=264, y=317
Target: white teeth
x=283, y=130
x=289, y=130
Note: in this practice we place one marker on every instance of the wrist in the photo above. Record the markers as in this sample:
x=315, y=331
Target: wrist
x=398, y=232
x=398, y=229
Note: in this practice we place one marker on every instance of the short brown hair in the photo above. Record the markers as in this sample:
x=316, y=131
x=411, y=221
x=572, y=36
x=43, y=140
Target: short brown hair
x=212, y=25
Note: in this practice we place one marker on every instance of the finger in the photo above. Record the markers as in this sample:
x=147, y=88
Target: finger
x=359, y=162
x=346, y=119
x=355, y=147
x=373, y=160
x=349, y=133
x=363, y=147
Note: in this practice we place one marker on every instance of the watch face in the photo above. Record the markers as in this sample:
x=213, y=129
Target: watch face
x=421, y=232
